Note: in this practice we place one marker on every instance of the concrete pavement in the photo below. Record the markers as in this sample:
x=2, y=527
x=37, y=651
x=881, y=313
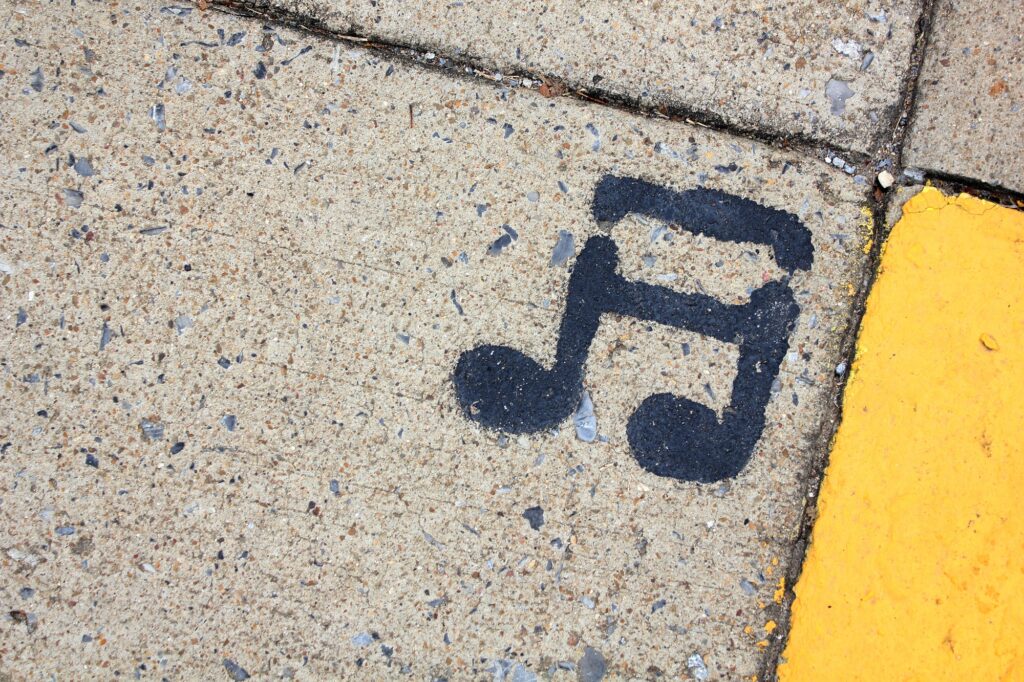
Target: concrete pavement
x=828, y=72
x=969, y=120
x=244, y=266
x=327, y=358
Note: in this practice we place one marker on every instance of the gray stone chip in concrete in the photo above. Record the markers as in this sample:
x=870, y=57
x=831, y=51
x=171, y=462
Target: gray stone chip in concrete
x=969, y=118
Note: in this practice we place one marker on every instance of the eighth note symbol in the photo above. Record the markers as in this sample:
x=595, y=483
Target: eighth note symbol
x=501, y=388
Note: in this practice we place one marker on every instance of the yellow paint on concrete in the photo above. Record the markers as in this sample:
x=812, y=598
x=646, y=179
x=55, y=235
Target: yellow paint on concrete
x=916, y=564
x=780, y=591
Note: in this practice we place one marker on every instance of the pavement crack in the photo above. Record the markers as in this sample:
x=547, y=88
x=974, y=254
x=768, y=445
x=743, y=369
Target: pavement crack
x=435, y=59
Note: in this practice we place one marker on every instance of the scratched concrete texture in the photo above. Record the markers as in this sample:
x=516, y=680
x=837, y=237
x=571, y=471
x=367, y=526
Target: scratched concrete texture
x=238, y=265
x=969, y=117
x=832, y=72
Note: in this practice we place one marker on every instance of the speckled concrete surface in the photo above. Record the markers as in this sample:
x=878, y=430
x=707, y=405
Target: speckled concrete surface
x=969, y=118
x=829, y=71
x=231, y=258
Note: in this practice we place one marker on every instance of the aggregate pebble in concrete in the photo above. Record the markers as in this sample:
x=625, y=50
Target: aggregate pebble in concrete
x=230, y=443
x=829, y=71
x=969, y=117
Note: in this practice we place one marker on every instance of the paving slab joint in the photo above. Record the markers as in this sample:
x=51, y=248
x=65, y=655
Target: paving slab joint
x=893, y=151
x=888, y=148
x=909, y=88
x=881, y=209
x=890, y=155
x=546, y=84
x=881, y=226
x=823, y=446
x=953, y=184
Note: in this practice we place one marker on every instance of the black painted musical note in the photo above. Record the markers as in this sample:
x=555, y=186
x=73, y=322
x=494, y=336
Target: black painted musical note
x=501, y=388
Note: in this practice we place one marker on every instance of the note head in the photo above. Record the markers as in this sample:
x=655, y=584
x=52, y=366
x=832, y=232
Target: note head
x=503, y=389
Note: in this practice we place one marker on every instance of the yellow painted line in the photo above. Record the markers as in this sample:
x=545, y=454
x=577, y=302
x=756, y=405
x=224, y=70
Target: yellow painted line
x=916, y=565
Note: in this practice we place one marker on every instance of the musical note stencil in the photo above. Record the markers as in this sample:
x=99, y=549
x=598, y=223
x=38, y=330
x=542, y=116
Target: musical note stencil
x=502, y=388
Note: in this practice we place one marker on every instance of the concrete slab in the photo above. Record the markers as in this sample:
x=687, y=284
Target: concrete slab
x=242, y=270
x=831, y=72
x=970, y=101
